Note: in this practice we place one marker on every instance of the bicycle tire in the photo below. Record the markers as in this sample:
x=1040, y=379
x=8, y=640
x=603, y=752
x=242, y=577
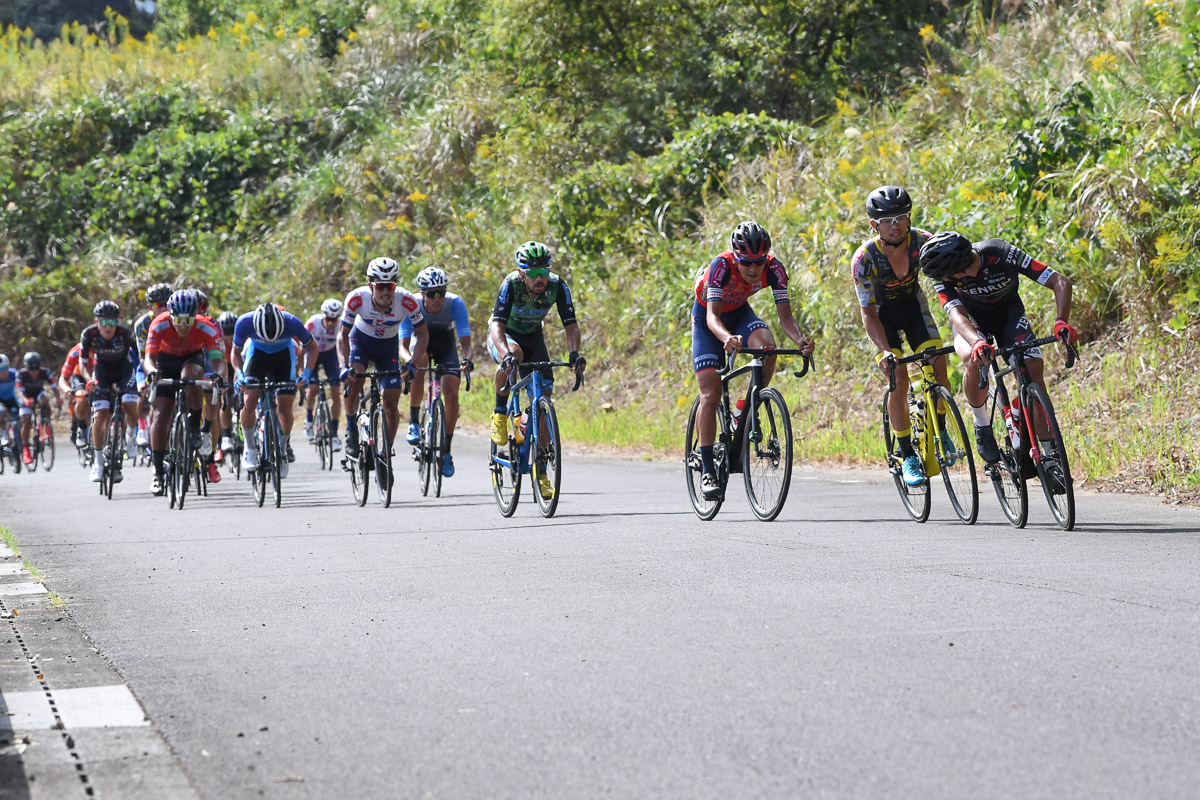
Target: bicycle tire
x=1053, y=466
x=47, y=450
x=324, y=434
x=767, y=463
x=35, y=449
x=963, y=488
x=258, y=477
x=916, y=499
x=235, y=454
x=423, y=450
x=278, y=455
x=14, y=448
x=506, y=480
x=381, y=455
x=116, y=445
x=180, y=460
x=438, y=445
x=546, y=457
x=1011, y=488
x=693, y=468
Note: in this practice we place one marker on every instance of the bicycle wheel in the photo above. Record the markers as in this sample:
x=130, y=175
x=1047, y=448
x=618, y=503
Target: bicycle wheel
x=693, y=468
x=324, y=437
x=181, y=460
x=14, y=448
x=278, y=457
x=954, y=455
x=47, y=452
x=546, y=458
x=234, y=456
x=916, y=499
x=35, y=449
x=423, y=452
x=1010, y=486
x=258, y=477
x=114, y=451
x=437, y=444
x=506, y=479
x=1054, y=470
x=767, y=455
x=381, y=453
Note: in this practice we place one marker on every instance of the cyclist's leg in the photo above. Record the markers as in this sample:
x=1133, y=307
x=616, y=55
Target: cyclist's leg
x=333, y=374
x=416, y=392
x=500, y=409
x=388, y=358
x=1017, y=328
x=281, y=366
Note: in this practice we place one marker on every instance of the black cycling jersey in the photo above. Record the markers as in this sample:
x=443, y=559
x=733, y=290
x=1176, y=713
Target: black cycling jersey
x=996, y=284
x=118, y=348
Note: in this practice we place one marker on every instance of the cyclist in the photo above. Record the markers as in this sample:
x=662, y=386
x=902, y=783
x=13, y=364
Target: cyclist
x=446, y=315
x=71, y=383
x=370, y=334
x=723, y=322
x=8, y=398
x=262, y=349
x=156, y=298
x=210, y=433
x=115, y=349
x=227, y=322
x=324, y=327
x=893, y=307
x=31, y=390
x=516, y=334
x=977, y=285
x=179, y=345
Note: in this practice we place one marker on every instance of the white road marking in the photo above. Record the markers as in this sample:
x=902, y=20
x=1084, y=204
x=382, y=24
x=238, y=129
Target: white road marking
x=89, y=707
x=14, y=589
x=11, y=568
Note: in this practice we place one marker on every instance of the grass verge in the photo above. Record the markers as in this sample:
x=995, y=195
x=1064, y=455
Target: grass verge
x=11, y=541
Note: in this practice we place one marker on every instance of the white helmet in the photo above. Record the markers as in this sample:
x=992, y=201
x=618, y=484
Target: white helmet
x=3, y=361
x=268, y=322
x=383, y=269
x=332, y=307
x=432, y=278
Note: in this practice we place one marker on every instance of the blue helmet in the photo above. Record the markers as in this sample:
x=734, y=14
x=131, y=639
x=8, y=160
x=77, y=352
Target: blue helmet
x=183, y=303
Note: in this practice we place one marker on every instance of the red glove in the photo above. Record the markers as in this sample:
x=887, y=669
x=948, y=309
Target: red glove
x=91, y=384
x=1062, y=327
x=982, y=352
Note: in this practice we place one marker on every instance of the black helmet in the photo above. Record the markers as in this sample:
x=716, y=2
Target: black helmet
x=158, y=294
x=750, y=241
x=888, y=201
x=32, y=360
x=227, y=321
x=201, y=302
x=945, y=254
x=106, y=309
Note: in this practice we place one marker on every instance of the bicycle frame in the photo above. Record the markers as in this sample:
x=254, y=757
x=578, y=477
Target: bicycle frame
x=735, y=439
x=1016, y=355
x=533, y=385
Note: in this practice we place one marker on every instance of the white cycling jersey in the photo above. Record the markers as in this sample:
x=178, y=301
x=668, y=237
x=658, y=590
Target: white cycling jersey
x=326, y=340
x=362, y=314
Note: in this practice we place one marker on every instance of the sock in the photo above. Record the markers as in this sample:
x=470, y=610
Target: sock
x=159, y=456
x=904, y=443
x=308, y=414
x=249, y=437
x=449, y=439
x=334, y=425
x=414, y=415
x=501, y=403
x=141, y=424
x=981, y=416
x=706, y=458
x=206, y=425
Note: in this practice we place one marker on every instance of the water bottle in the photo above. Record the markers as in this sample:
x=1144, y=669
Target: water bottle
x=1014, y=424
x=737, y=410
x=519, y=427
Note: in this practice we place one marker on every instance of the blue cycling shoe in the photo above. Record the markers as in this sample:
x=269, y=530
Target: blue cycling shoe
x=910, y=470
x=414, y=433
x=447, y=465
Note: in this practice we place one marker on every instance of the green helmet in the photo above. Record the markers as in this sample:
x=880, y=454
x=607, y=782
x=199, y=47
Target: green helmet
x=533, y=254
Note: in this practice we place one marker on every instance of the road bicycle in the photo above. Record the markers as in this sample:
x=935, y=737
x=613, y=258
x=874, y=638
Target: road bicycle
x=114, y=447
x=1030, y=439
x=757, y=442
x=268, y=439
x=183, y=462
x=939, y=437
x=41, y=442
x=534, y=444
x=323, y=426
x=429, y=451
x=10, y=451
x=374, y=448
x=233, y=457
x=83, y=434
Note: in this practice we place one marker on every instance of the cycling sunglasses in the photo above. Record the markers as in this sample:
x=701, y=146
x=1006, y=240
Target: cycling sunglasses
x=896, y=220
x=435, y=293
x=759, y=260
x=537, y=272
x=183, y=320
x=106, y=323
x=385, y=285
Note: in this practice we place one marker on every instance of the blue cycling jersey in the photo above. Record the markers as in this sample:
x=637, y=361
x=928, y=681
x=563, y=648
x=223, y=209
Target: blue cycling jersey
x=293, y=328
x=8, y=384
x=452, y=318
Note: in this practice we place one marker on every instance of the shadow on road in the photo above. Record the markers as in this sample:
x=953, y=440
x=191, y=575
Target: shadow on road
x=14, y=783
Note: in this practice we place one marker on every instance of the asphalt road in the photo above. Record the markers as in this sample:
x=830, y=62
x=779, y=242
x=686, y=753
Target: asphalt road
x=626, y=649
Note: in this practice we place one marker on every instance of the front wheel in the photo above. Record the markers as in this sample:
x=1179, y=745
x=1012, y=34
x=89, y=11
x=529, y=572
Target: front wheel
x=381, y=452
x=916, y=499
x=1011, y=488
x=693, y=469
x=424, y=453
x=437, y=444
x=181, y=456
x=1054, y=470
x=767, y=455
x=546, y=472
x=505, y=466
x=278, y=457
x=47, y=453
x=954, y=455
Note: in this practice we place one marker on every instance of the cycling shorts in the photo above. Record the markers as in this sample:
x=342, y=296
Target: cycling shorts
x=707, y=350
x=443, y=351
x=1008, y=325
x=366, y=349
x=328, y=360
x=910, y=321
x=78, y=385
x=533, y=348
x=27, y=407
x=11, y=404
x=109, y=372
x=171, y=367
x=265, y=366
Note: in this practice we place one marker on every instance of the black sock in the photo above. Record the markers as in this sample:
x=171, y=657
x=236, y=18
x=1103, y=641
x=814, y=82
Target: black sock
x=159, y=456
x=501, y=403
x=414, y=415
x=206, y=426
x=706, y=459
x=449, y=439
x=905, y=445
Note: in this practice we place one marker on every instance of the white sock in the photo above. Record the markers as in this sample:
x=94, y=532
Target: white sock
x=981, y=416
x=249, y=435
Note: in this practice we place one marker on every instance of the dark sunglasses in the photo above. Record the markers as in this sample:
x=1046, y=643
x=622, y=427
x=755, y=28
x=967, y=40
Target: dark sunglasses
x=759, y=260
x=387, y=287
x=537, y=272
x=435, y=293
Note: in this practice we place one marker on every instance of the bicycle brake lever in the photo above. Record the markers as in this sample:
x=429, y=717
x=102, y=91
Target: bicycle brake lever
x=1072, y=354
x=808, y=362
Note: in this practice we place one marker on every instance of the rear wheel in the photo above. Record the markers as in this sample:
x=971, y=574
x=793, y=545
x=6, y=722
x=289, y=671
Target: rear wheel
x=424, y=453
x=693, y=468
x=47, y=454
x=324, y=435
x=1054, y=470
x=916, y=499
x=547, y=461
x=437, y=444
x=381, y=452
x=767, y=455
x=956, y=459
x=1010, y=486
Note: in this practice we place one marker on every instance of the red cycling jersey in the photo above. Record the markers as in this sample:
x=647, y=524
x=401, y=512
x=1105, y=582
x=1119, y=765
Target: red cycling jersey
x=204, y=337
x=71, y=365
x=721, y=280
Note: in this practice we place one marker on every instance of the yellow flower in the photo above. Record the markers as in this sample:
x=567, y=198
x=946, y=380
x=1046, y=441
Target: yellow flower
x=251, y=18
x=844, y=109
x=28, y=271
x=351, y=36
x=927, y=33
x=417, y=196
x=180, y=47
x=422, y=25
x=303, y=33
x=238, y=28
x=338, y=191
x=212, y=34
x=280, y=32
x=1103, y=62
x=471, y=214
